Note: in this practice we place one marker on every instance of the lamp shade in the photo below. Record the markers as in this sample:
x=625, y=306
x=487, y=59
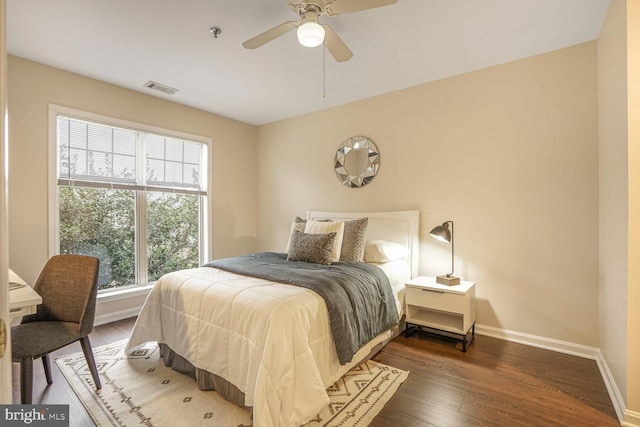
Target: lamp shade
x=310, y=34
x=442, y=233
x=445, y=234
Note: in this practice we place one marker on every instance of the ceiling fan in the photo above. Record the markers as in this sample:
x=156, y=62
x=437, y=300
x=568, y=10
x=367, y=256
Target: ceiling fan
x=310, y=32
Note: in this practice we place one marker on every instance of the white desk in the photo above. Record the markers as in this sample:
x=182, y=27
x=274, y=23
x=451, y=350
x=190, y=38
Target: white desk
x=23, y=301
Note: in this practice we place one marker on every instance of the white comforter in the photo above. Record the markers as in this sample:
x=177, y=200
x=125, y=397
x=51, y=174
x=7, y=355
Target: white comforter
x=272, y=341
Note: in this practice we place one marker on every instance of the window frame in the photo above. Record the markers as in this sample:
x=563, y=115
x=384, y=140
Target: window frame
x=205, y=240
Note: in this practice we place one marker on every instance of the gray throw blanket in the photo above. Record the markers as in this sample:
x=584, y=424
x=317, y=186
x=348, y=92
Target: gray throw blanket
x=358, y=295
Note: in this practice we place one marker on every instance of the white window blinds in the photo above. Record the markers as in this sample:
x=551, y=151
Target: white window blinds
x=97, y=155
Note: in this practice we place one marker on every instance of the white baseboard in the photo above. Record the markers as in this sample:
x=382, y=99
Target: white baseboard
x=540, y=342
x=614, y=392
x=631, y=419
x=625, y=417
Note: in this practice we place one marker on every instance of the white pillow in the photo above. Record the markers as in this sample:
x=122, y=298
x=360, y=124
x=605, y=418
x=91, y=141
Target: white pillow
x=384, y=251
x=323, y=227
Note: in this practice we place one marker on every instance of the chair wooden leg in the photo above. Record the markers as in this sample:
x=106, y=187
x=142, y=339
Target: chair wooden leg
x=88, y=355
x=47, y=368
x=26, y=380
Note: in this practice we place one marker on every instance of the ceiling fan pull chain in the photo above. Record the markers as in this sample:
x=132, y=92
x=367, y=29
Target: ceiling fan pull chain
x=324, y=72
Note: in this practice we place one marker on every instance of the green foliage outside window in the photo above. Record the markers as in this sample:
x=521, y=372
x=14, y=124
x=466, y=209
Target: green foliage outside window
x=172, y=233
x=101, y=222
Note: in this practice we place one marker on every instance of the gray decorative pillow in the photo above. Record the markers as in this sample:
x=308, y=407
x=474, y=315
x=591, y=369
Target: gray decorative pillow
x=354, y=240
x=299, y=224
x=314, y=248
x=295, y=226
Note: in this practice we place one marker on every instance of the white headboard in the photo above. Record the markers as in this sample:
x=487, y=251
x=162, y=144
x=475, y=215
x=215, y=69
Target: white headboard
x=401, y=227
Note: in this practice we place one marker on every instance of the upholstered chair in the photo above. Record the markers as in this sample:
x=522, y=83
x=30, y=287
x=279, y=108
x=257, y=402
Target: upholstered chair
x=68, y=285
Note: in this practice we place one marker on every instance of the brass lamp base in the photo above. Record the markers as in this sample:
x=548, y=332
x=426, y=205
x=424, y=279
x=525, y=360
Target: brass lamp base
x=448, y=280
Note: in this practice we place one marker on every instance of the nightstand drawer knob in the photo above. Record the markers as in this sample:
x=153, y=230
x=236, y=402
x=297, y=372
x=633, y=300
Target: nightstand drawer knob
x=431, y=290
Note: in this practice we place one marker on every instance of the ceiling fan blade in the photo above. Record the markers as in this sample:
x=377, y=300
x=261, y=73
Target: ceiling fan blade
x=341, y=7
x=269, y=35
x=335, y=45
x=297, y=6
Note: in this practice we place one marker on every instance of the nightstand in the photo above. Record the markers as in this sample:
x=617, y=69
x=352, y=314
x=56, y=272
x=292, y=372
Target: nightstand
x=447, y=310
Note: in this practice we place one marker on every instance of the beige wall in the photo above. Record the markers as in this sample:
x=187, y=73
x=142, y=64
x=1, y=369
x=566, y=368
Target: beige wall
x=509, y=153
x=5, y=361
x=33, y=86
x=619, y=141
x=612, y=92
x=633, y=300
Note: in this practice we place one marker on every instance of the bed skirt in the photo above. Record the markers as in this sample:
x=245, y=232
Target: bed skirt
x=209, y=381
x=205, y=380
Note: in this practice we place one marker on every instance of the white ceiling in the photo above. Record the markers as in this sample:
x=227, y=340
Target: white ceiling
x=128, y=42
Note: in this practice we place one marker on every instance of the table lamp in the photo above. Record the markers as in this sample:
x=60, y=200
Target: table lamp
x=444, y=234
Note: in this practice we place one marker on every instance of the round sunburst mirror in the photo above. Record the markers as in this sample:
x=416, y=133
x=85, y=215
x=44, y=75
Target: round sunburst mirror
x=357, y=161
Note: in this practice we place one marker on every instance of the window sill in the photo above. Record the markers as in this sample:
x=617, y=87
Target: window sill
x=120, y=304
x=129, y=292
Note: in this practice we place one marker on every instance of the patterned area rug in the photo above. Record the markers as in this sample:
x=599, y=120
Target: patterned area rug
x=139, y=390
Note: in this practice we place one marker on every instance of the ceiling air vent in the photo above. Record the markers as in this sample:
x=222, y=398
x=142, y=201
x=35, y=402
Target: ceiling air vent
x=162, y=88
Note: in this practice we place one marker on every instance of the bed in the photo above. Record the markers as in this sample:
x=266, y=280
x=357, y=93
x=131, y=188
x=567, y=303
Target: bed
x=269, y=346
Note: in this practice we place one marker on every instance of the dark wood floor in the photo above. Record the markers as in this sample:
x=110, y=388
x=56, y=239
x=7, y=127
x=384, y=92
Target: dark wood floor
x=495, y=383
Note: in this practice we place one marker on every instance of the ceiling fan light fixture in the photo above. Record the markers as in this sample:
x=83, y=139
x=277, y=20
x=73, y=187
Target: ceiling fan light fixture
x=310, y=34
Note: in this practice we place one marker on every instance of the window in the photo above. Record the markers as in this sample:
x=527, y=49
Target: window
x=131, y=195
